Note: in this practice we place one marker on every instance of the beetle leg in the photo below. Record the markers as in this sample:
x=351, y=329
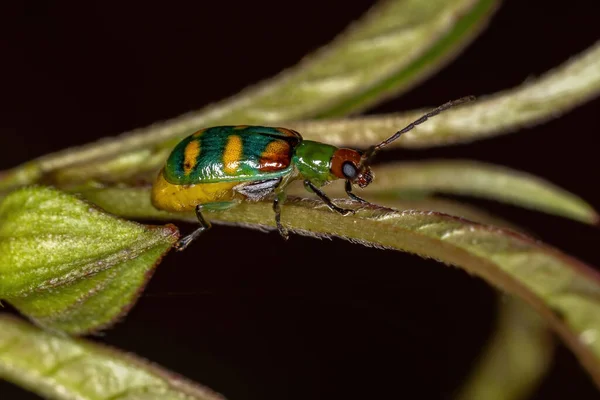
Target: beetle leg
x=204, y=225
x=279, y=199
x=353, y=196
x=343, y=211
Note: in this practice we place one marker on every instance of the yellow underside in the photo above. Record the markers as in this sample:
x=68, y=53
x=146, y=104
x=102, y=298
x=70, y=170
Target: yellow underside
x=169, y=197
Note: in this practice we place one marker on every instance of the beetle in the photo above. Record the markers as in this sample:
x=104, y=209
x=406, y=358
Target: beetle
x=219, y=167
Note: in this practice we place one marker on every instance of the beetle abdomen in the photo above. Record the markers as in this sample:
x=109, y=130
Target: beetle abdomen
x=171, y=197
x=232, y=153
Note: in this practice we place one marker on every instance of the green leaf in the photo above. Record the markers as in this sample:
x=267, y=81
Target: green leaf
x=516, y=358
x=563, y=290
x=537, y=100
x=360, y=67
x=62, y=368
x=478, y=179
x=421, y=201
x=559, y=91
x=69, y=266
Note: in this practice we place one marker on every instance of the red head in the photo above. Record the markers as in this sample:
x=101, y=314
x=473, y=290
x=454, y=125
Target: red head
x=345, y=164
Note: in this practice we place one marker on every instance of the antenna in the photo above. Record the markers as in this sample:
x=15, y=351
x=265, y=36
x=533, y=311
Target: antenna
x=366, y=158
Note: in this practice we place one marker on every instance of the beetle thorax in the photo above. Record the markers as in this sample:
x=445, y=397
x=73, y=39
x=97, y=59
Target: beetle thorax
x=313, y=161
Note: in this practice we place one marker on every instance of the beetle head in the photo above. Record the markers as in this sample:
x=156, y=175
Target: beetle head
x=345, y=164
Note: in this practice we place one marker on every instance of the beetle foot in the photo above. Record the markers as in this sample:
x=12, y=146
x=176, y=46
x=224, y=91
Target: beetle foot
x=346, y=211
x=183, y=243
x=283, y=231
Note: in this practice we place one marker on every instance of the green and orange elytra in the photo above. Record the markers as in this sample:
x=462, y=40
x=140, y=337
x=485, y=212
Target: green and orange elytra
x=219, y=167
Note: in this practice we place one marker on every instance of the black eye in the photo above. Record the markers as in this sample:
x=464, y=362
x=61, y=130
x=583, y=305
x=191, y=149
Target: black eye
x=349, y=170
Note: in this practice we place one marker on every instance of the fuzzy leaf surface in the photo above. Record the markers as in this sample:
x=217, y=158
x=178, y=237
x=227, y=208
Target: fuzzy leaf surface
x=535, y=101
x=558, y=91
x=565, y=291
x=69, y=266
x=359, y=68
x=63, y=368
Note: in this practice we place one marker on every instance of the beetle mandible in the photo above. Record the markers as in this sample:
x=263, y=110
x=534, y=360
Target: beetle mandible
x=219, y=167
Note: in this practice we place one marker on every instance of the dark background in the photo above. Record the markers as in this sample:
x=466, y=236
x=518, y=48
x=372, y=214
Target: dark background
x=243, y=312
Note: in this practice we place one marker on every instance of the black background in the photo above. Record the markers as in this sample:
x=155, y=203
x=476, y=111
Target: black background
x=241, y=311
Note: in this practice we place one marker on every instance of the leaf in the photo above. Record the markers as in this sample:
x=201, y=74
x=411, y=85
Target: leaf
x=558, y=91
x=357, y=69
x=69, y=266
x=478, y=179
x=563, y=290
x=516, y=358
x=420, y=201
x=537, y=100
x=59, y=367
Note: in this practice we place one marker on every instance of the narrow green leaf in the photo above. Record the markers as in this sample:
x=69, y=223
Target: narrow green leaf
x=557, y=92
x=563, y=290
x=69, y=266
x=473, y=178
x=431, y=34
x=516, y=358
x=421, y=201
x=360, y=67
x=537, y=100
x=62, y=368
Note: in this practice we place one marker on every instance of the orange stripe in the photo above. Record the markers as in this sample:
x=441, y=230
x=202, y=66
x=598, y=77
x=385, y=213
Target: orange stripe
x=191, y=153
x=275, y=157
x=232, y=154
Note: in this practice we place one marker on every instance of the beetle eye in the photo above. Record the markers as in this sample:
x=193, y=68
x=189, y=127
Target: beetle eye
x=349, y=170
